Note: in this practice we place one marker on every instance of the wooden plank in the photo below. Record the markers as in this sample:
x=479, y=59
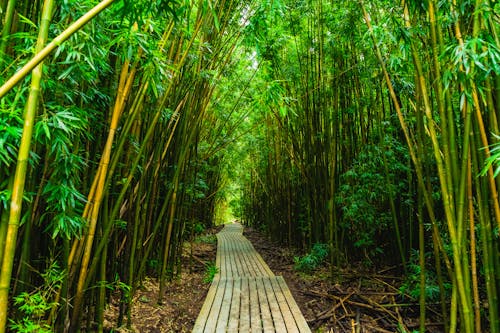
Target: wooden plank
x=279, y=324
x=297, y=314
x=243, y=267
x=255, y=319
x=221, y=252
x=291, y=325
x=225, y=306
x=265, y=311
x=213, y=316
x=263, y=265
x=259, y=267
x=234, y=313
x=245, y=306
x=226, y=255
x=254, y=266
x=246, y=269
x=238, y=268
x=234, y=261
x=199, y=325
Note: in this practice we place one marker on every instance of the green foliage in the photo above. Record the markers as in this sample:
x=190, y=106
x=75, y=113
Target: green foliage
x=36, y=305
x=210, y=271
x=10, y=134
x=153, y=263
x=141, y=10
x=116, y=285
x=411, y=285
x=208, y=239
x=198, y=228
x=28, y=326
x=478, y=57
x=494, y=159
x=364, y=192
x=313, y=260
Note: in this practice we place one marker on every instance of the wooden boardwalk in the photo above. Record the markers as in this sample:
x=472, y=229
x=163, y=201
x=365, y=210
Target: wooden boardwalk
x=245, y=295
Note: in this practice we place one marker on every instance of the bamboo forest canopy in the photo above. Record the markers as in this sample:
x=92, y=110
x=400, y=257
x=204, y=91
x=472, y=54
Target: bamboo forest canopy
x=371, y=127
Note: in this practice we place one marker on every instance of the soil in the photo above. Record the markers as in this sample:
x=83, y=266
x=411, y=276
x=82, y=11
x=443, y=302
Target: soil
x=354, y=301
x=183, y=297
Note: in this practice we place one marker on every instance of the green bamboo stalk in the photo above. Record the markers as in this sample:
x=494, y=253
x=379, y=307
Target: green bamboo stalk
x=44, y=53
x=101, y=297
x=414, y=157
x=117, y=204
x=9, y=15
x=4, y=221
x=132, y=277
x=168, y=237
x=447, y=192
x=446, y=119
x=410, y=142
x=472, y=230
x=21, y=168
x=489, y=246
x=421, y=261
x=394, y=215
x=452, y=223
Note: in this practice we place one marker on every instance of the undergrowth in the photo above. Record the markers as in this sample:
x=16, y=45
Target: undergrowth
x=35, y=306
x=210, y=271
x=208, y=239
x=311, y=261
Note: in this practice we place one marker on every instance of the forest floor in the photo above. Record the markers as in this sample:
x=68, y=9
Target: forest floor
x=356, y=301
x=183, y=296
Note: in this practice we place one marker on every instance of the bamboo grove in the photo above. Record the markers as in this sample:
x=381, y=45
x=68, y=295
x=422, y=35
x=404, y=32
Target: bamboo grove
x=114, y=168
x=379, y=121
x=371, y=127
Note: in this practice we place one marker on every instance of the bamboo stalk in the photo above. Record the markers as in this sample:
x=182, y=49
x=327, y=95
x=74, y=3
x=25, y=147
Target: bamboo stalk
x=21, y=168
x=4, y=221
x=95, y=202
x=44, y=53
x=9, y=15
x=472, y=230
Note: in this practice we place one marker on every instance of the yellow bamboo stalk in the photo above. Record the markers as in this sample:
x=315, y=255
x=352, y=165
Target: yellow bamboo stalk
x=44, y=52
x=21, y=168
x=124, y=88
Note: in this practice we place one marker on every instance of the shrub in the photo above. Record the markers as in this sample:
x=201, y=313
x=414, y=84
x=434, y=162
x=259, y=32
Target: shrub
x=311, y=261
x=36, y=305
x=210, y=271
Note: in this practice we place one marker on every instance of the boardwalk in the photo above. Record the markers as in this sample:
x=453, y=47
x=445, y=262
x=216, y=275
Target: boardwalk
x=245, y=295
